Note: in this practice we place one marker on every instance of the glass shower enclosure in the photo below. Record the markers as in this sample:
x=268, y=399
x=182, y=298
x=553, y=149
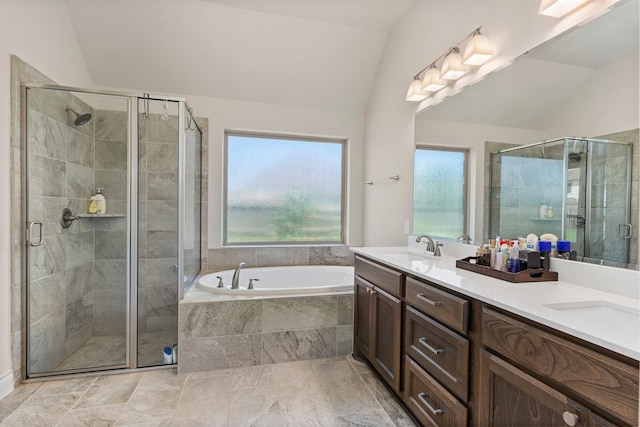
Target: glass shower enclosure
x=101, y=289
x=578, y=189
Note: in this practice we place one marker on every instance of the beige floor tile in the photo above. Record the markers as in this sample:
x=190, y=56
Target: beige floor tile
x=204, y=402
x=42, y=410
x=16, y=398
x=252, y=377
x=109, y=390
x=376, y=418
x=103, y=416
x=344, y=388
x=249, y=405
x=66, y=386
x=390, y=405
x=155, y=398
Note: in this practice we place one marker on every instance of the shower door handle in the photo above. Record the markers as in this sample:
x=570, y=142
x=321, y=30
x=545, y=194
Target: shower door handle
x=625, y=231
x=30, y=233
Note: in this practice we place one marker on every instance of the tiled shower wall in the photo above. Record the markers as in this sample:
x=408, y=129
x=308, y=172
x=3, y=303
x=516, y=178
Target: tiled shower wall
x=61, y=165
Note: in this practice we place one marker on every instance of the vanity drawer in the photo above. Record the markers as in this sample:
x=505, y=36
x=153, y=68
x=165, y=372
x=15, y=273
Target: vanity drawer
x=451, y=310
x=431, y=403
x=440, y=351
x=382, y=277
x=606, y=383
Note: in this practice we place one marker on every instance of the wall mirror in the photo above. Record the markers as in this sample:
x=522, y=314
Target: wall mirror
x=579, y=87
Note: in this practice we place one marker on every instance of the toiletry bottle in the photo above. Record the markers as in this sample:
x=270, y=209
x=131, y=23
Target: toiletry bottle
x=492, y=248
x=545, y=254
x=564, y=249
x=514, y=258
x=532, y=242
x=504, y=256
x=93, y=206
x=550, y=212
x=101, y=202
x=543, y=210
x=549, y=237
x=167, y=356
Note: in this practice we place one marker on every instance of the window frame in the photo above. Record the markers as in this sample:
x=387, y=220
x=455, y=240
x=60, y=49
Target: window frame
x=465, y=213
x=293, y=137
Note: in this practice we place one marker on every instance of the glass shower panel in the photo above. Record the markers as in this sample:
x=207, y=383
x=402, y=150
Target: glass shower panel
x=192, y=199
x=608, y=220
x=157, y=298
x=523, y=182
x=76, y=284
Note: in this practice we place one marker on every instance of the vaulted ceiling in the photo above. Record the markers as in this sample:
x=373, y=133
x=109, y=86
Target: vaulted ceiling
x=312, y=53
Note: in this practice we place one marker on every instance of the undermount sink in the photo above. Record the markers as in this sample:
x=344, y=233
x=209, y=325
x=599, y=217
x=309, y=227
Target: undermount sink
x=408, y=256
x=599, y=311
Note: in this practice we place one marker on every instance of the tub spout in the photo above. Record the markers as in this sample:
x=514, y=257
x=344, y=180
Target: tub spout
x=236, y=275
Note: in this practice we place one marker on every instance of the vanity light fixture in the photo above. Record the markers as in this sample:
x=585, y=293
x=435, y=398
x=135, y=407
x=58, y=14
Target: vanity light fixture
x=415, y=92
x=432, y=81
x=559, y=8
x=454, y=65
x=478, y=50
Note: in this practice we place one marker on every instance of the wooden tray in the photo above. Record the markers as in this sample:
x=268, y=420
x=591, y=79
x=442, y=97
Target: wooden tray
x=529, y=275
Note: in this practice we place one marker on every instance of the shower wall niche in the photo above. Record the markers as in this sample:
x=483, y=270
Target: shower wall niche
x=101, y=290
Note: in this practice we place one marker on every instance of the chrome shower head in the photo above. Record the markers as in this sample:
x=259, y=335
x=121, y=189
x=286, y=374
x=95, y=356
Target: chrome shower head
x=81, y=119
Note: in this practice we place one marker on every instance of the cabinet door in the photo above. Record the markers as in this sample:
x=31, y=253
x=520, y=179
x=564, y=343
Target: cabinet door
x=387, y=312
x=510, y=397
x=363, y=319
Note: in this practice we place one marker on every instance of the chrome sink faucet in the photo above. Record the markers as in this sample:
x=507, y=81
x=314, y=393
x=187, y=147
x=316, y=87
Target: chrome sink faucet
x=236, y=275
x=431, y=246
x=464, y=238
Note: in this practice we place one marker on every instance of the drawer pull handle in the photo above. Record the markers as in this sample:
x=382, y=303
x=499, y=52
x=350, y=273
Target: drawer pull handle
x=433, y=410
x=432, y=349
x=570, y=419
x=427, y=300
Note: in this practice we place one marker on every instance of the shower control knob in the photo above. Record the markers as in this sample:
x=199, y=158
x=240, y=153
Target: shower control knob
x=251, y=283
x=220, y=284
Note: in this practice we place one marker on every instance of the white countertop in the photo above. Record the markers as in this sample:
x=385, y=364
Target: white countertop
x=607, y=319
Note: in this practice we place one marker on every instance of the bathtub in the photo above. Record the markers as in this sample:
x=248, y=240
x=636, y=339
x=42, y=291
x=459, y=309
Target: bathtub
x=299, y=280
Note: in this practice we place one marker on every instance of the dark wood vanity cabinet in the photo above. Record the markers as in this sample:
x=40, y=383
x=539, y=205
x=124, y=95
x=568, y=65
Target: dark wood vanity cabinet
x=531, y=375
x=378, y=319
x=455, y=361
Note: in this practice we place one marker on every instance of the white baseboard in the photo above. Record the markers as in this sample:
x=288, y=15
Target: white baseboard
x=6, y=384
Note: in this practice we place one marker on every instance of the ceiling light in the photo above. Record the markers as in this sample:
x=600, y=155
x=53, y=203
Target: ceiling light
x=478, y=50
x=415, y=92
x=559, y=8
x=453, y=68
x=432, y=81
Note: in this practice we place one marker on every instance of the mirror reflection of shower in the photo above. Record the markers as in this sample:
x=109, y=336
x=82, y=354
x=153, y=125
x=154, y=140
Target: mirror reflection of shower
x=81, y=119
x=578, y=189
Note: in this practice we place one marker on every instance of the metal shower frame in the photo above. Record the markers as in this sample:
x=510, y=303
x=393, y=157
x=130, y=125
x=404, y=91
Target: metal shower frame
x=184, y=112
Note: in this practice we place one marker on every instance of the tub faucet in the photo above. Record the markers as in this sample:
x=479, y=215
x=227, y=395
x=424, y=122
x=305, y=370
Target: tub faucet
x=431, y=247
x=236, y=275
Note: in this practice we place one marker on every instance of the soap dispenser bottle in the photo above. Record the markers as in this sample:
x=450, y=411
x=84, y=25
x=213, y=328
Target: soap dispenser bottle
x=100, y=202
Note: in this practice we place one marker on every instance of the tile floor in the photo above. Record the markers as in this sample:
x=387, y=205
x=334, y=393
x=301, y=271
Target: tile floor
x=327, y=392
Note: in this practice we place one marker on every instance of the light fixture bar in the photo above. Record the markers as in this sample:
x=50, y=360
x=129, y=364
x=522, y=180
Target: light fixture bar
x=454, y=66
x=559, y=8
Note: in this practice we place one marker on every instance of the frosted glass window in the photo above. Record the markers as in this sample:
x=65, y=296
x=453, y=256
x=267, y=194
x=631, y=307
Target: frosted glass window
x=283, y=190
x=439, y=196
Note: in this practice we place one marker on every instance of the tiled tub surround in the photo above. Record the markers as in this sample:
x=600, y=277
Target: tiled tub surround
x=220, y=332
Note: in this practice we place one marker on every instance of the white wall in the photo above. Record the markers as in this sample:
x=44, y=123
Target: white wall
x=428, y=30
x=225, y=114
x=608, y=103
x=39, y=32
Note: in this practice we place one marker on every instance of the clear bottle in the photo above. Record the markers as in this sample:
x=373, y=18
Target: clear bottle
x=513, y=264
x=550, y=212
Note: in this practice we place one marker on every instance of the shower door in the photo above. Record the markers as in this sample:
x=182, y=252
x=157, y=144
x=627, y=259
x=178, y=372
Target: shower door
x=76, y=284
x=607, y=224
